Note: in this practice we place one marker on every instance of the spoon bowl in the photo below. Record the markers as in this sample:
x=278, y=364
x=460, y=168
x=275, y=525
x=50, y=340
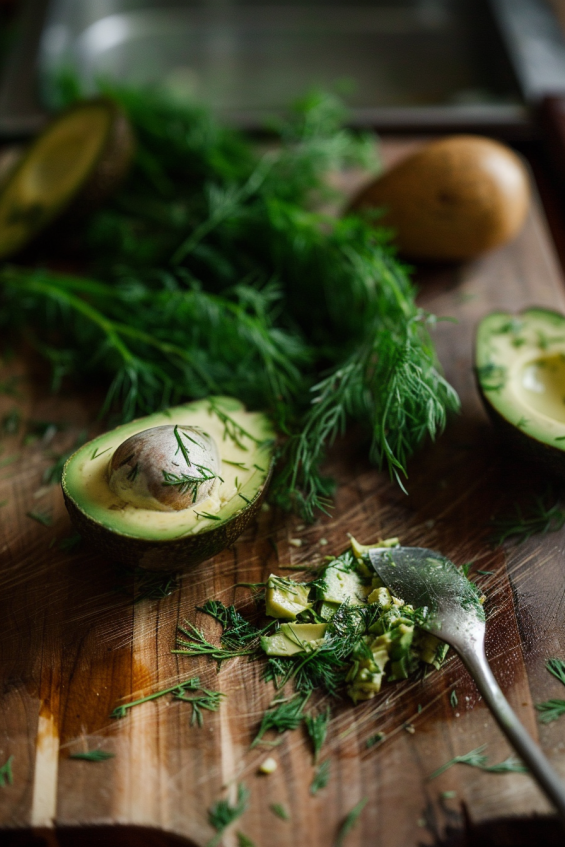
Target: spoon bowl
x=450, y=608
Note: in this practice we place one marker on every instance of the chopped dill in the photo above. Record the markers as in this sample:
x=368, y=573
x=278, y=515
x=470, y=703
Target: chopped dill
x=523, y=522
x=208, y=516
x=221, y=814
x=41, y=517
x=477, y=759
x=453, y=699
x=237, y=632
x=374, y=739
x=96, y=454
x=207, y=699
x=132, y=475
x=317, y=728
x=93, y=755
x=349, y=822
x=321, y=777
x=6, y=774
x=239, y=465
x=551, y=710
x=190, y=685
x=282, y=717
x=243, y=497
x=195, y=643
x=280, y=811
x=9, y=460
x=556, y=667
x=243, y=840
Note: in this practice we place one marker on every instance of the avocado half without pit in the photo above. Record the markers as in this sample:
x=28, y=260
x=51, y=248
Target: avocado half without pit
x=78, y=160
x=169, y=490
x=520, y=366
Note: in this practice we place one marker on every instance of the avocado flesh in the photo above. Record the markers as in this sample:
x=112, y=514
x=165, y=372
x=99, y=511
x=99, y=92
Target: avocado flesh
x=520, y=361
x=85, y=149
x=160, y=539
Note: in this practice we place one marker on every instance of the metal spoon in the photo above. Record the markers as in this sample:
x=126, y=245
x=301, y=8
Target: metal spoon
x=451, y=610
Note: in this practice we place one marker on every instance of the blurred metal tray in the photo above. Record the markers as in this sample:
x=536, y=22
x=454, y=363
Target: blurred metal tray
x=400, y=64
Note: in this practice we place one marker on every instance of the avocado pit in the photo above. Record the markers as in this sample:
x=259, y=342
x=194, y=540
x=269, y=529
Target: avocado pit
x=167, y=468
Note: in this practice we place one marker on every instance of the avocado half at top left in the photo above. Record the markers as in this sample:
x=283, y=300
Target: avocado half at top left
x=170, y=490
x=520, y=367
x=73, y=165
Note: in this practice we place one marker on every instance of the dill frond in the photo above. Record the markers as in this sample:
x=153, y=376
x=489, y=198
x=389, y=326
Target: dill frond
x=222, y=814
x=321, y=777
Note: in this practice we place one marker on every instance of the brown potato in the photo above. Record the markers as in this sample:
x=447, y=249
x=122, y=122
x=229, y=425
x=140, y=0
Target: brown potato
x=455, y=198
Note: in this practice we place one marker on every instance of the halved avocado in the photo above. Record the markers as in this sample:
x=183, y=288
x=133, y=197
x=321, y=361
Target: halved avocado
x=168, y=538
x=520, y=367
x=72, y=166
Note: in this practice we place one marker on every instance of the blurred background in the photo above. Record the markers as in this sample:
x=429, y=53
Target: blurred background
x=399, y=64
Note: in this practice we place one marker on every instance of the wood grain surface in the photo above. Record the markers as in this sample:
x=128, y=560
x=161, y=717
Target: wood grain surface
x=73, y=645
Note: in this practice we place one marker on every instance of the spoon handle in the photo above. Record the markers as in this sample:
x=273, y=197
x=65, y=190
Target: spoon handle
x=518, y=737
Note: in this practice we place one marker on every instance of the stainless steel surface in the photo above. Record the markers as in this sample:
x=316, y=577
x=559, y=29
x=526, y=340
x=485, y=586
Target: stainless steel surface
x=451, y=611
x=401, y=63
x=534, y=41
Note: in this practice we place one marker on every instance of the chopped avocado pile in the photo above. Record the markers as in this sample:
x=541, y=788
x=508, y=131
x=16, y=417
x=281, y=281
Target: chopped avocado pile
x=520, y=366
x=347, y=629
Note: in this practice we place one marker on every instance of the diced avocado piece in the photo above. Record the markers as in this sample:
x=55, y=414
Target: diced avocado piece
x=293, y=638
x=382, y=596
x=286, y=598
x=359, y=550
x=341, y=585
x=366, y=673
x=430, y=649
x=328, y=610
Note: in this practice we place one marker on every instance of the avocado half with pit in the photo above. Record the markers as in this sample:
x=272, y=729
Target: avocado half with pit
x=170, y=490
x=72, y=166
x=520, y=367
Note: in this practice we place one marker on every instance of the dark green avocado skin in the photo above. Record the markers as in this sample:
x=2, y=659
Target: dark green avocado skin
x=172, y=556
x=545, y=456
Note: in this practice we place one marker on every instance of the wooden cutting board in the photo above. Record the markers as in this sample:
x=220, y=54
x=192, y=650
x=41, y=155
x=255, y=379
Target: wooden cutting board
x=73, y=645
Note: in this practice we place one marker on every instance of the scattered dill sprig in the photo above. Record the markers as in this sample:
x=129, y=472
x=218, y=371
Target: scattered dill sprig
x=477, y=759
x=551, y=710
x=283, y=717
x=41, y=517
x=317, y=727
x=556, y=667
x=190, y=685
x=280, y=811
x=243, y=840
x=321, y=777
x=453, y=699
x=349, y=822
x=222, y=814
x=93, y=756
x=374, y=739
x=207, y=699
x=237, y=632
x=195, y=643
x=9, y=460
x=70, y=542
x=6, y=774
x=523, y=522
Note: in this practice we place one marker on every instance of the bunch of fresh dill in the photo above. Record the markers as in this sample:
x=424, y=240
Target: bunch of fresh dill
x=212, y=272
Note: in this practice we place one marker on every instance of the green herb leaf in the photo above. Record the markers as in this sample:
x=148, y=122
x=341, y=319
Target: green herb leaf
x=317, y=727
x=93, y=756
x=321, y=777
x=6, y=774
x=222, y=814
x=349, y=822
x=41, y=517
x=283, y=717
x=477, y=759
x=280, y=811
